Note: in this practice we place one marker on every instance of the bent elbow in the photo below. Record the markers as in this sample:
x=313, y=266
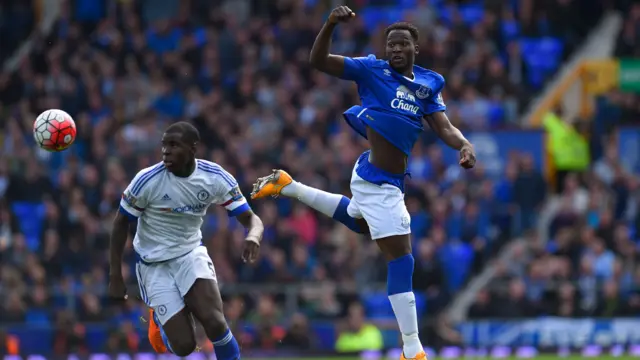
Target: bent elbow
x=315, y=62
x=318, y=62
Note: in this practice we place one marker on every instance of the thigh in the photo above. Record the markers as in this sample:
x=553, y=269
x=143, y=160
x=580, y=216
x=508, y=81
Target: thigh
x=382, y=207
x=395, y=246
x=203, y=299
x=354, y=211
x=180, y=330
x=205, y=303
x=187, y=269
x=159, y=291
x=196, y=279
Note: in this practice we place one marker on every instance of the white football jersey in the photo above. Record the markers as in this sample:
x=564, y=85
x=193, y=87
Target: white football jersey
x=170, y=208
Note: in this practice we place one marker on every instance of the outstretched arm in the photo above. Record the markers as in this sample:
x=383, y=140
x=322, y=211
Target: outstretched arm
x=255, y=229
x=440, y=124
x=320, y=58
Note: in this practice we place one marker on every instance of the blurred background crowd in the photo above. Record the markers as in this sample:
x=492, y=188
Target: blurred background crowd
x=238, y=70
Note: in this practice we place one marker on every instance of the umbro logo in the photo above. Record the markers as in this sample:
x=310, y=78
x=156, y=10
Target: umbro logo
x=165, y=198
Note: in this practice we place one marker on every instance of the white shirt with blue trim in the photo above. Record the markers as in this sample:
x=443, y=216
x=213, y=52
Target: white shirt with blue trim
x=170, y=209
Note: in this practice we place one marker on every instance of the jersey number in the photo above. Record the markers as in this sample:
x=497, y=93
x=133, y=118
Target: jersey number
x=211, y=268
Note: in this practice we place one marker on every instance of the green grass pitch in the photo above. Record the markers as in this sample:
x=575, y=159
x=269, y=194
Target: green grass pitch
x=539, y=357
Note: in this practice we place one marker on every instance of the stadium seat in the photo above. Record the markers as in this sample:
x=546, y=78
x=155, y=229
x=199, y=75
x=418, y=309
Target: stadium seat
x=30, y=217
x=542, y=57
x=37, y=318
x=471, y=14
x=510, y=30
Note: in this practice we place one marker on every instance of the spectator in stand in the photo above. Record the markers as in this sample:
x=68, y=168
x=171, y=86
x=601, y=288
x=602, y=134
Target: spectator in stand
x=298, y=336
x=357, y=335
x=528, y=190
x=483, y=307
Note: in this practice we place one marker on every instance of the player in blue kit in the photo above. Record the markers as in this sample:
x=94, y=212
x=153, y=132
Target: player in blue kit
x=396, y=96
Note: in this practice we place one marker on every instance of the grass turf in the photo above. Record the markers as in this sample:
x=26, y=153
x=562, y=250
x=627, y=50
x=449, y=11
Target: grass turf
x=539, y=357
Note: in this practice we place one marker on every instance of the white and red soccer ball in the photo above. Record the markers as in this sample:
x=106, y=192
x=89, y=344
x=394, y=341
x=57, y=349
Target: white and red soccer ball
x=54, y=130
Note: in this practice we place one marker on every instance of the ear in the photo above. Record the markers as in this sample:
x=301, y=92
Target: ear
x=416, y=49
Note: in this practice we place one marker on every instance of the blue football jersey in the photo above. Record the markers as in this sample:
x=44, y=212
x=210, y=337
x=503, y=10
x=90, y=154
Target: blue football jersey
x=392, y=104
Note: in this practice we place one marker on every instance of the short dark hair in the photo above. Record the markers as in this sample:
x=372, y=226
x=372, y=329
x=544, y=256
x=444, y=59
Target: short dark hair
x=189, y=133
x=403, y=25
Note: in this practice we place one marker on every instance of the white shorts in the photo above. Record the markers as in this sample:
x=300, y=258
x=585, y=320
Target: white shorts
x=382, y=206
x=163, y=285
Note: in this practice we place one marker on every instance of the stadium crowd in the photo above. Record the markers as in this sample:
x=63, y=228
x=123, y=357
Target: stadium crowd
x=238, y=70
x=584, y=262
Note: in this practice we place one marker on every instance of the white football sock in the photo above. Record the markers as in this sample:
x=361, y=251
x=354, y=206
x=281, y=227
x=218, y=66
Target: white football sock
x=324, y=202
x=404, y=307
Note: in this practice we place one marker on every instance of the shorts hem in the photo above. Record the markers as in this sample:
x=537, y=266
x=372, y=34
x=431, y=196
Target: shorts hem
x=166, y=317
x=389, y=234
x=183, y=294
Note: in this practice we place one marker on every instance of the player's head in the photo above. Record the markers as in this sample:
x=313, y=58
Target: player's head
x=179, y=146
x=402, y=45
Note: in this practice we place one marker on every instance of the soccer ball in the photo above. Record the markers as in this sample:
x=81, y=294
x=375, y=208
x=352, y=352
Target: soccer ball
x=54, y=130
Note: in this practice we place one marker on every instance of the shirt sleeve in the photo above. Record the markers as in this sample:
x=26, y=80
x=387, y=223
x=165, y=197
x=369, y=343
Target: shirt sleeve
x=356, y=69
x=229, y=195
x=435, y=103
x=135, y=196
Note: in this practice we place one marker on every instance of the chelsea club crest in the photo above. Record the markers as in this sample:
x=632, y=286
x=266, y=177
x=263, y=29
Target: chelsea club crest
x=203, y=195
x=423, y=92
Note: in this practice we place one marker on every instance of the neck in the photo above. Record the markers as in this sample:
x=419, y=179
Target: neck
x=408, y=71
x=187, y=170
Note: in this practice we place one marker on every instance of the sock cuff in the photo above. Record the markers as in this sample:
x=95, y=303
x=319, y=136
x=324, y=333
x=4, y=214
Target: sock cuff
x=400, y=275
x=341, y=209
x=404, y=260
x=224, y=339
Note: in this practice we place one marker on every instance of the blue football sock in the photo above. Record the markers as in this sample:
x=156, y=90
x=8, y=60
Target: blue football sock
x=403, y=302
x=342, y=216
x=226, y=347
x=400, y=275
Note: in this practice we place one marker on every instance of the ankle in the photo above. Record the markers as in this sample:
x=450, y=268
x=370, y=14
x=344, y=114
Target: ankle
x=291, y=190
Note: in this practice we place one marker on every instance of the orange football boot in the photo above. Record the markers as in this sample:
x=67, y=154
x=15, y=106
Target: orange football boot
x=271, y=185
x=155, y=335
x=421, y=356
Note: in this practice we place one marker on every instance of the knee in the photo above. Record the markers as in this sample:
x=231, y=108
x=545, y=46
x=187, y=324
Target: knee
x=183, y=346
x=214, y=324
x=361, y=226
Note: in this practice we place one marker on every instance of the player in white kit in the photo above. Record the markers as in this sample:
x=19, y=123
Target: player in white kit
x=175, y=274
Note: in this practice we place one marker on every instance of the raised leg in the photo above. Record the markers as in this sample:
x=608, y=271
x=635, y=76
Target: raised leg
x=333, y=205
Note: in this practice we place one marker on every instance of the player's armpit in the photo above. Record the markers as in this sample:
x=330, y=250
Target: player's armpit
x=440, y=124
x=332, y=65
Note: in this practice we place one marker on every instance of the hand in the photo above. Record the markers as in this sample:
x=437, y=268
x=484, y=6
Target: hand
x=341, y=14
x=117, y=289
x=467, y=156
x=251, y=250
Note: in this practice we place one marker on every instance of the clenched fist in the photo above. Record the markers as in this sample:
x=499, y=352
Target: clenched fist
x=341, y=14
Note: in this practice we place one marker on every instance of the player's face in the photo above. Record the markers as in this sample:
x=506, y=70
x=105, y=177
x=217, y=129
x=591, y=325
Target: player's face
x=175, y=152
x=400, y=49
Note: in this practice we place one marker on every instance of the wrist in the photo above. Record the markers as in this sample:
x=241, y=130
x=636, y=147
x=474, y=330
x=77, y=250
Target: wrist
x=115, y=273
x=254, y=239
